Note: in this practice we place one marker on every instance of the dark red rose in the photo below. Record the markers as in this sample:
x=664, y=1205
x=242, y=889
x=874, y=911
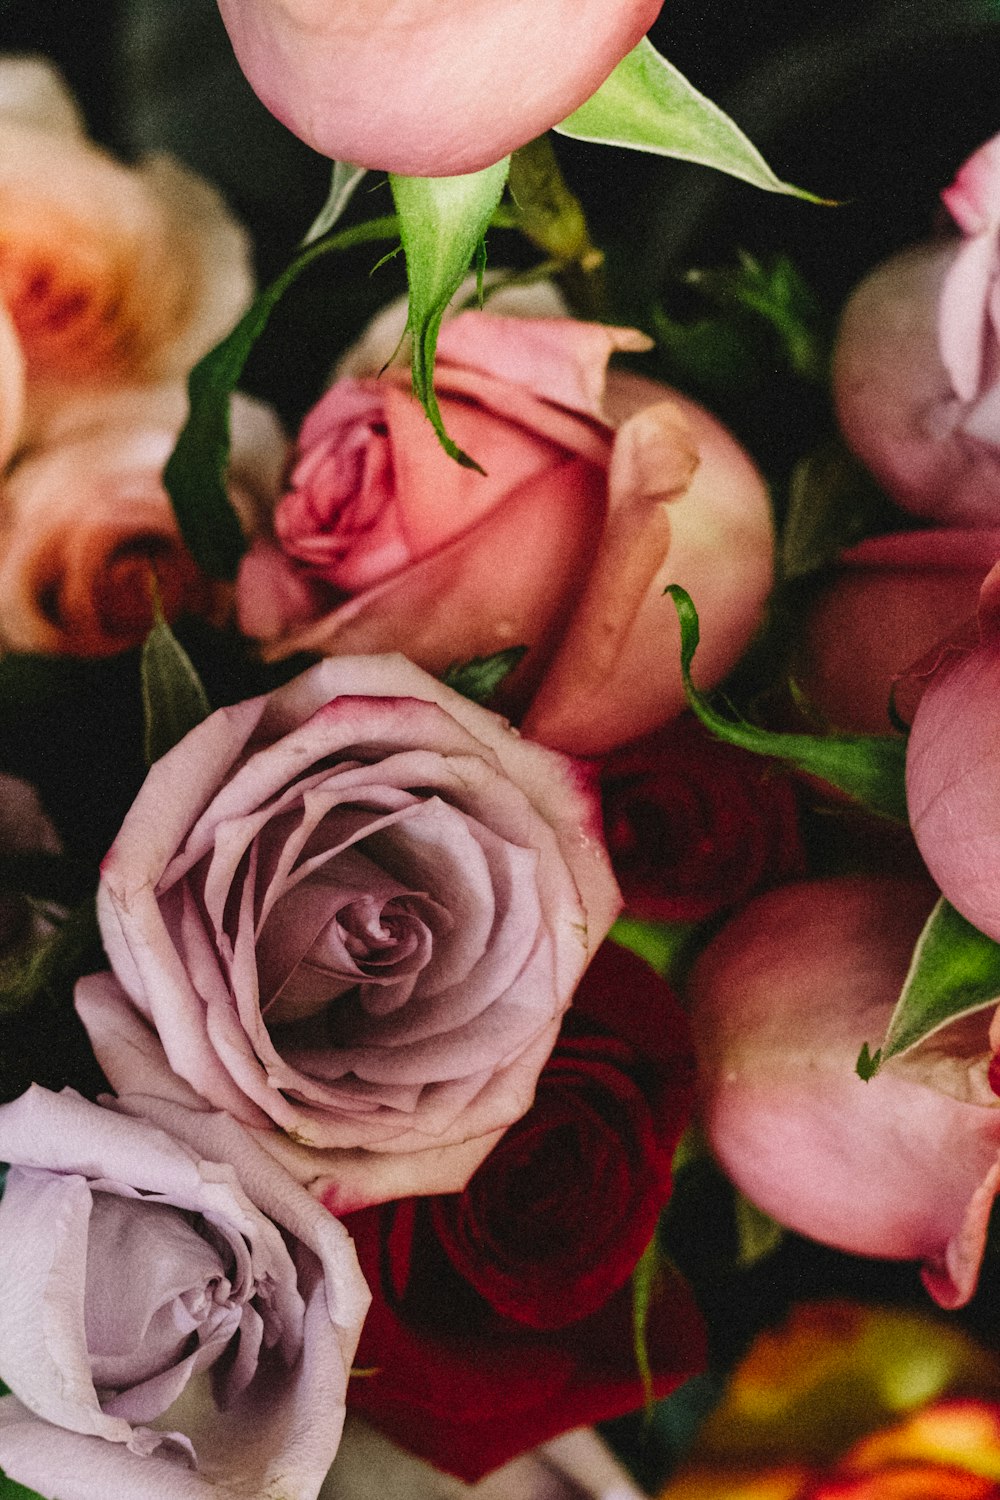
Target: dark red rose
x=695, y=826
x=502, y=1315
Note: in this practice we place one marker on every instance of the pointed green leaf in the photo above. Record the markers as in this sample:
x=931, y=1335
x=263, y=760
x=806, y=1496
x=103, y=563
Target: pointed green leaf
x=954, y=971
x=648, y=105
x=659, y=944
x=868, y=1062
x=645, y=1279
x=173, y=698
x=868, y=768
x=342, y=184
x=757, y=1234
x=479, y=678
x=442, y=222
x=195, y=475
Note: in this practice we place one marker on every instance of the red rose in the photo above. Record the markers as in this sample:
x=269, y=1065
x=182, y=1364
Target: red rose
x=502, y=1315
x=694, y=826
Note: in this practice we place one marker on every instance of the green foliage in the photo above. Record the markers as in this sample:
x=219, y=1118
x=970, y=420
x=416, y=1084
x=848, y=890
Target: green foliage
x=832, y=502
x=173, y=698
x=442, y=223
x=659, y=944
x=479, y=678
x=777, y=294
x=649, y=105
x=954, y=971
x=868, y=768
x=38, y=970
x=345, y=178
x=11, y=1490
x=757, y=1234
x=195, y=475
x=645, y=1281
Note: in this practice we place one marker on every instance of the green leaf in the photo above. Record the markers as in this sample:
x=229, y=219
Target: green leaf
x=659, y=944
x=645, y=1279
x=832, y=502
x=11, y=1490
x=868, y=768
x=650, y=106
x=195, y=475
x=479, y=678
x=543, y=208
x=776, y=293
x=343, y=182
x=442, y=222
x=73, y=949
x=954, y=971
x=173, y=698
x=868, y=1062
x=757, y=1234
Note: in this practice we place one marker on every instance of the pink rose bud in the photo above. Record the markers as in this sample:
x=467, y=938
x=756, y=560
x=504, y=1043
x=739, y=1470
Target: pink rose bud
x=916, y=365
x=177, y=1316
x=890, y=601
x=599, y=491
x=434, y=88
x=895, y=1168
x=352, y=913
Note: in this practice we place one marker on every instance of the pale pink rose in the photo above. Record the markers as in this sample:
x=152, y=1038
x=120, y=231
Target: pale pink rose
x=433, y=88
x=353, y=911
x=917, y=365
x=891, y=599
x=575, y=1466
x=177, y=1317
x=86, y=525
x=110, y=272
x=902, y=1167
x=600, y=489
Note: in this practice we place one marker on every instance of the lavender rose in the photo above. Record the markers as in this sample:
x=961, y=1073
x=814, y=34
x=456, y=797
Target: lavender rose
x=177, y=1315
x=354, y=910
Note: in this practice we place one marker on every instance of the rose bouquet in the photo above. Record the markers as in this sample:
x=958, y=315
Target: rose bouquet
x=477, y=788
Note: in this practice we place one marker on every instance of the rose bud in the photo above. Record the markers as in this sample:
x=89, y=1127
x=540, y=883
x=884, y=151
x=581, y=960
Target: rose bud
x=352, y=913
x=87, y=530
x=889, y=602
x=694, y=826
x=783, y=1000
x=111, y=273
x=177, y=1316
x=915, y=368
x=434, y=90
x=599, y=491
x=500, y=1314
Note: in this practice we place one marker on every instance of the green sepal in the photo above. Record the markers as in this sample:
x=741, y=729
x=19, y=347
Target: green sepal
x=870, y=769
x=195, y=475
x=344, y=179
x=954, y=971
x=442, y=223
x=757, y=1234
x=659, y=944
x=173, y=698
x=648, y=105
x=645, y=1283
x=479, y=678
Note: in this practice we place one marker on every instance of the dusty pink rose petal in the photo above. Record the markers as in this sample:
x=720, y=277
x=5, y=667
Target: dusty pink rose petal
x=179, y=1317
x=891, y=599
x=600, y=489
x=435, y=88
x=356, y=910
x=895, y=1168
x=12, y=387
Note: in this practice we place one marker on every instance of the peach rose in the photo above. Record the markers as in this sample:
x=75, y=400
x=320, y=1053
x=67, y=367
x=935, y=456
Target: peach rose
x=85, y=523
x=599, y=491
x=432, y=88
x=110, y=272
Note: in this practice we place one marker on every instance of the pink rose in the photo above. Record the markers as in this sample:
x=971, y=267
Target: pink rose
x=434, y=88
x=111, y=273
x=352, y=911
x=598, y=492
x=177, y=1316
x=917, y=364
x=86, y=525
x=895, y=1168
x=891, y=599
